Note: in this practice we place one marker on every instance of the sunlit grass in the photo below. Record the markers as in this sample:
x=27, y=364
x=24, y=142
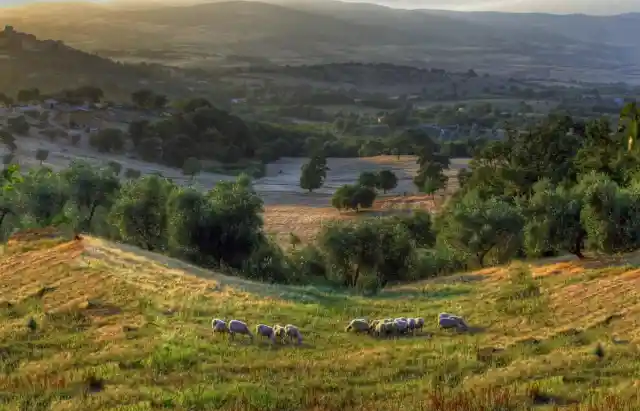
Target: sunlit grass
x=117, y=328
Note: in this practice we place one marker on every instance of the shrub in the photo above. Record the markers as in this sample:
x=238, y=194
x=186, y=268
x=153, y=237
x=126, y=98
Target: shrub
x=132, y=173
x=42, y=155
x=115, y=167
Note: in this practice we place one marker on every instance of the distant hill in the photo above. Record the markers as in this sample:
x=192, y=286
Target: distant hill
x=50, y=65
x=586, y=47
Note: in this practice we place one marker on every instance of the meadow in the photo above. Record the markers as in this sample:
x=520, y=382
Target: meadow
x=95, y=325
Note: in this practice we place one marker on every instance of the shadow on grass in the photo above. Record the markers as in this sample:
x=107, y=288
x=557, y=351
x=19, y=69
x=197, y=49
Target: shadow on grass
x=445, y=292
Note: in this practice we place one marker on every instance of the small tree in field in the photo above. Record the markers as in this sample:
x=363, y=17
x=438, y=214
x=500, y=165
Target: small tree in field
x=353, y=197
x=191, y=168
x=115, y=167
x=42, y=155
x=386, y=181
x=132, y=173
x=368, y=179
x=313, y=173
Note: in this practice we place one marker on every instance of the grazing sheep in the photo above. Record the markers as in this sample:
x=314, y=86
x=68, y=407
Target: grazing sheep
x=401, y=326
x=219, y=326
x=384, y=328
x=401, y=319
x=279, y=331
x=373, y=324
x=448, y=321
x=238, y=327
x=265, y=331
x=358, y=326
x=412, y=324
x=292, y=332
x=419, y=323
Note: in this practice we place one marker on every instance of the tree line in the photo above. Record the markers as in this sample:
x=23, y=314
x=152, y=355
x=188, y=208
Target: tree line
x=563, y=187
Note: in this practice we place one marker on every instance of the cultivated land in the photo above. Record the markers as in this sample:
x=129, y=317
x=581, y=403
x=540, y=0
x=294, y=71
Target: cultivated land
x=288, y=208
x=118, y=328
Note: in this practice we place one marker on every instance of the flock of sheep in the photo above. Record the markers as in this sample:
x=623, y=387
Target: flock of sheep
x=403, y=325
x=238, y=327
x=381, y=327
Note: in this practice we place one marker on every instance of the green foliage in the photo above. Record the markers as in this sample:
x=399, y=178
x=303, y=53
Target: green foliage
x=18, y=125
x=387, y=180
x=143, y=98
x=132, y=173
x=553, y=222
x=367, y=255
x=630, y=119
x=91, y=189
x=108, y=140
x=313, y=173
x=478, y=227
x=353, y=197
x=150, y=149
x=42, y=155
x=420, y=226
x=139, y=213
x=8, y=140
x=192, y=167
x=368, y=179
x=115, y=167
x=139, y=130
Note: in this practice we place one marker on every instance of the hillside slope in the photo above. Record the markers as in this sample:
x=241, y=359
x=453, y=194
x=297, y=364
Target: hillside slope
x=305, y=31
x=27, y=62
x=116, y=327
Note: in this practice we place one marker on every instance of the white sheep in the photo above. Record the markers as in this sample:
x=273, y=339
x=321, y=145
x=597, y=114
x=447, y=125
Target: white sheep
x=412, y=324
x=278, y=331
x=447, y=321
x=264, y=330
x=219, y=326
x=401, y=326
x=292, y=332
x=358, y=326
x=238, y=327
x=419, y=323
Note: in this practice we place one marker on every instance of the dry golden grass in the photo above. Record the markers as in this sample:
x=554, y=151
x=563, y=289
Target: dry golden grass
x=306, y=221
x=119, y=328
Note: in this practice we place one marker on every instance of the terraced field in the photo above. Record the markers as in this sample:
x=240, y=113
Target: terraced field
x=91, y=325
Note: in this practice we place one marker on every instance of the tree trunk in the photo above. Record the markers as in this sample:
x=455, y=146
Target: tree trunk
x=3, y=215
x=94, y=206
x=356, y=277
x=576, y=249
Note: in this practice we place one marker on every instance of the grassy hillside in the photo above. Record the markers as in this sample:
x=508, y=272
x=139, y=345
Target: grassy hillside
x=27, y=61
x=117, y=328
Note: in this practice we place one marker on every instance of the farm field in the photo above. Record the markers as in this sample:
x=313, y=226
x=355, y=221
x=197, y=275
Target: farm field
x=288, y=208
x=118, y=328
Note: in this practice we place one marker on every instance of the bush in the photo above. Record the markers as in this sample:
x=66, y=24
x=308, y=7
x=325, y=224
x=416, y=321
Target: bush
x=18, y=125
x=8, y=158
x=108, y=140
x=132, y=173
x=351, y=197
x=115, y=167
x=42, y=155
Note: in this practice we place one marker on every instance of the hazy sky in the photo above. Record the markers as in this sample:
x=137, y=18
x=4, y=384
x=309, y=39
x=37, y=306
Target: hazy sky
x=549, y=6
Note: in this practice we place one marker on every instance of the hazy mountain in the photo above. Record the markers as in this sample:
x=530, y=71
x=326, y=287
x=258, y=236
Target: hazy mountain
x=318, y=31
